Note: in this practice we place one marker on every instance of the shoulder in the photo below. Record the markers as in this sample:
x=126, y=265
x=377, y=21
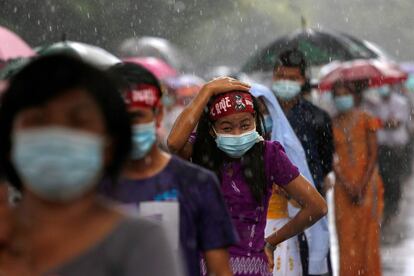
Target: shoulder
x=191, y=168
x=317, y=111
x=273, y=148
x=371, y=122
x=191, y=174
x=399, y=99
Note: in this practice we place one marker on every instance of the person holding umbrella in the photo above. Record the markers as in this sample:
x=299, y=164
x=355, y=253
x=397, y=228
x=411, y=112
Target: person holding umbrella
x=358, y=189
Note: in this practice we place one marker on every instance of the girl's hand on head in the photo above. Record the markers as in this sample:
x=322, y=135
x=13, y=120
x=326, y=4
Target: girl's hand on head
x=225, y=84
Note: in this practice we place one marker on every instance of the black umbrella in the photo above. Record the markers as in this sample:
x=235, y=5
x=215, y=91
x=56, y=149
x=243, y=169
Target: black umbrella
x=319, y=48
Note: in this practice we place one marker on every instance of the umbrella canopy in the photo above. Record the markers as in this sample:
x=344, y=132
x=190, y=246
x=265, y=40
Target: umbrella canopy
x=156, y=47
x=319, y=48
x=156, y=66
x=375, y=71
x=186, y=85
x=12, y=46
x=89, y=53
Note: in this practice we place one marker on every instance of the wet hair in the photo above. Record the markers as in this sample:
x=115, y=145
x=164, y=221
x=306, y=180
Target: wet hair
x=128, y=73
x=48, y=77
x=207, y=154
x=292, y=58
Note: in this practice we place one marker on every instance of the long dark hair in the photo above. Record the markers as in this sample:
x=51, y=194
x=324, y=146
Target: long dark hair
x=206, y=153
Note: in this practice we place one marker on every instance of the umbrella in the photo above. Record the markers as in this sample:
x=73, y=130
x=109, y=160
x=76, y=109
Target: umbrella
x=156, y=47
x=12, y=66
x=156, y=66
x=375, y=71
x=12, y=46
x=89, y=53
x=319, y=48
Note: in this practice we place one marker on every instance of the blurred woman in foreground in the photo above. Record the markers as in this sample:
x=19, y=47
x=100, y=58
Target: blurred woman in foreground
x=64, y=127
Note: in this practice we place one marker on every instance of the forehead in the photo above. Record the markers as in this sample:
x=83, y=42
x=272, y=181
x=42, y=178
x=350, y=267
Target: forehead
x=288, y=71
x=71, y=98
x=235, y=118
x=341, y=90
x=141, y=110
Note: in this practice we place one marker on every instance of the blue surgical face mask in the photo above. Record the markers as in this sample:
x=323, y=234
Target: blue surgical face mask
x=268, y=123
x=344, y=103
x=58, y=164
x=384, y=91
x=286, y=89
x=143, y=138
x=236, y=146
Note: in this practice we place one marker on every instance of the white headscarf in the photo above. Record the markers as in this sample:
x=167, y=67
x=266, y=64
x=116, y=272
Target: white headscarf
x=318, y=234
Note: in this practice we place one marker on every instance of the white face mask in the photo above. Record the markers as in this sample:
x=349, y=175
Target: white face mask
x=286, y=89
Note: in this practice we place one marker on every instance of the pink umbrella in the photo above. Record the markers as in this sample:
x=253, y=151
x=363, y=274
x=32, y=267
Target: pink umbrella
x=12, y=46
x=375, y=71
x=156, y=66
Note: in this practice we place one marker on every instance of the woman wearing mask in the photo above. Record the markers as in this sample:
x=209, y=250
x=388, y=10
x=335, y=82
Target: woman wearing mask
x=63, y=127
x=358, y=189
x=228, y=141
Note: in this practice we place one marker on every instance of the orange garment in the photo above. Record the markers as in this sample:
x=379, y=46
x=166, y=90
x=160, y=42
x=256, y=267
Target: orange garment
x=358, y=224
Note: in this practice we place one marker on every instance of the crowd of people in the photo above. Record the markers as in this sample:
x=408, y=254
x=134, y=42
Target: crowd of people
x=116, y=175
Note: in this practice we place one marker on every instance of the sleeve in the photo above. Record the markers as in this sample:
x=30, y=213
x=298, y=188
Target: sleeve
x=192, y=138
x=373, y=124
x=215, y=228
x=152, y=254
x=326, y=146
x=280, y=169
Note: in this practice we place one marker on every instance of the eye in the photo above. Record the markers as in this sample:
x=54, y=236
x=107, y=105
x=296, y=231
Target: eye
x=227, y=129
x=245, y=126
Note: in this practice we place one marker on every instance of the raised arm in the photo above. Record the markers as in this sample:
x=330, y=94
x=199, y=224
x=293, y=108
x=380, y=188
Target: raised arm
x=188, y=119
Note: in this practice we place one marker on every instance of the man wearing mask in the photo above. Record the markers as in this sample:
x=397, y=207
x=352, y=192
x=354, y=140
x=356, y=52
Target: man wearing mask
x=185, y=196
x=311, y=124
x=394, y=112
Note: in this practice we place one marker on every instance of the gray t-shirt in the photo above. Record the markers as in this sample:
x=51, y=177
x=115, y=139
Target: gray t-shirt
x=135, y=247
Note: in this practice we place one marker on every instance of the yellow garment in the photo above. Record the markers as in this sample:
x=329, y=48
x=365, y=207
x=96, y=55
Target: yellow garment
x=278, y=204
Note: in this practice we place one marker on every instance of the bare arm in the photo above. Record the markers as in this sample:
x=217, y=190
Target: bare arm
x=313, y=207
x=188, y=119
x=218, y=262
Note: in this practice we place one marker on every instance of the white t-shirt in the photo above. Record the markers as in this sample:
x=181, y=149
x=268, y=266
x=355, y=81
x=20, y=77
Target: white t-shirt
x=397, y=108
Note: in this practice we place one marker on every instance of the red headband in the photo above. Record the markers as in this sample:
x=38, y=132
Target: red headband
x=142, y=95
x=231, y=103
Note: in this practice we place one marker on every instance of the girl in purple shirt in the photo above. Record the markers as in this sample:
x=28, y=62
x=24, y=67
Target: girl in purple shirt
x=229, y=142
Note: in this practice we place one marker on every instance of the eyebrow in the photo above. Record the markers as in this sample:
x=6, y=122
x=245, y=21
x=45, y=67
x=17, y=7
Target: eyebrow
x=226, y=122
x=244, y=120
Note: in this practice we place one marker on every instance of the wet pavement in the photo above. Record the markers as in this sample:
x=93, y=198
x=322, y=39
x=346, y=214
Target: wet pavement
x=397, y=240
x=398, y=237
